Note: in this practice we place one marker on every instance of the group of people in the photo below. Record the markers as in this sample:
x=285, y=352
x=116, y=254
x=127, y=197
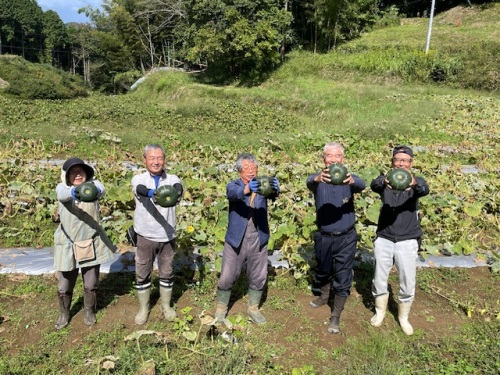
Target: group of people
x=246, y=239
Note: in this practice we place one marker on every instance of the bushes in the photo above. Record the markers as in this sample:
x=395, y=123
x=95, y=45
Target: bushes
x=36, y=81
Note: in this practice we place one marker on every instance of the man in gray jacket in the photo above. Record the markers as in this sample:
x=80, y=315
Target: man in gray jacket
x=155, y=228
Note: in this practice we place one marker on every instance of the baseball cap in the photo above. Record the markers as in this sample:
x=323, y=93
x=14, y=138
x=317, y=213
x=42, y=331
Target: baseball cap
x=402, y=150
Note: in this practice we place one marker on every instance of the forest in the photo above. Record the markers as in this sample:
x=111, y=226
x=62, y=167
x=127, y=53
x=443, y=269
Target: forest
x=230, y=40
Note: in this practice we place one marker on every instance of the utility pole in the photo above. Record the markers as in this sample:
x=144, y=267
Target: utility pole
x=430, y=28
x=282, y=47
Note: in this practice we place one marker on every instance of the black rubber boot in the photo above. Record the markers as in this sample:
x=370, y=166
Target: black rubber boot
x=323, y=297
x=338, y=307
x=89, y=307
x=64, y=305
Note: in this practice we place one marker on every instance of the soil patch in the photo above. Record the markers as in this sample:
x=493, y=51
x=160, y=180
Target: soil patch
x=294, y=331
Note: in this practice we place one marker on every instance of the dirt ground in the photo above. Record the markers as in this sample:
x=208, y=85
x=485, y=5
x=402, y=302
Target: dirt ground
x=26, y=317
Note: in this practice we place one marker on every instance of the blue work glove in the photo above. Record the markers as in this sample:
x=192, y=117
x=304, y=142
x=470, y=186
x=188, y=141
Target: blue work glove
x=254, y=185
x=99, y=191
x=274, y=184
x=151, y=193
x=75, y=194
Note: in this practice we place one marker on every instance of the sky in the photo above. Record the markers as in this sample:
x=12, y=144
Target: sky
x=68, y=9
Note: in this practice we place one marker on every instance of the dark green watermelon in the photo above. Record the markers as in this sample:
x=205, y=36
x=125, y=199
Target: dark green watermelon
x=338, y=173
x=265, y=187
x=399, y=178
x=166, y=196
x=87, y=192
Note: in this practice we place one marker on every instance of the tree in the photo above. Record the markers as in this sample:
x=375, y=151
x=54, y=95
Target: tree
x=55, y=37
x=236, y=39
x=322, y=24
x=21, y=28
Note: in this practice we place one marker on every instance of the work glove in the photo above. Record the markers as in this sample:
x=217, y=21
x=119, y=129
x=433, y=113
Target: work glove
x=275, y=185
x=152, y=194
x=75, y=193
x=99, y=191
x=254, y=185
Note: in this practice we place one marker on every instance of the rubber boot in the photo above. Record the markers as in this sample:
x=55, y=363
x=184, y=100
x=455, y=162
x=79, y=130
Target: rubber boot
x=223, y=297
x=254, y=297
x=338, y=307
x=89, y=307
x=64, y=305
x=165, y=296
x=143, y=296
x=323, y=298
x=403, y=313
x=380, y=309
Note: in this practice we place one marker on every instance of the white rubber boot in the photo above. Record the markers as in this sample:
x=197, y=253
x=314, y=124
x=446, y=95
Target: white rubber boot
x=380, y=309
x=403, y=313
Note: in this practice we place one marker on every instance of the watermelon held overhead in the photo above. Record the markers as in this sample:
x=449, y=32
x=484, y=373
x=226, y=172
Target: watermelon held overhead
x=399, y=178
x=87, y=192
x=166, y=196
x=338, y=173
x=265, y=187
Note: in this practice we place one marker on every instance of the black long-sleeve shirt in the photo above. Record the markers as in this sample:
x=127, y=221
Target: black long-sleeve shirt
x=398, y=220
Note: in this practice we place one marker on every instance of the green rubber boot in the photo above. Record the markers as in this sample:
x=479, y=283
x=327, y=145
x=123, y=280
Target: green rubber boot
x=223, y=297
x=254, y=297
x=165, y=296
x=142, y=315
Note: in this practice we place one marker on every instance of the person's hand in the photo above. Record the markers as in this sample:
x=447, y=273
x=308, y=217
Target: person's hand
x=274, y=184
x=99, y=191
x=254, y=185
x=412, y=183
x=324, y=176
x=152, y=194
x=387, y=183
x=349, y=180
x=75, y=193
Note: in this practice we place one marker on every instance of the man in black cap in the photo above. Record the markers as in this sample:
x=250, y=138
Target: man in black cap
x=398, y=233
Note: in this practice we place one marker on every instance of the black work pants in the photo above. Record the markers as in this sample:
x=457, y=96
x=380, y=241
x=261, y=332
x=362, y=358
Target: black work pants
x=335, y=259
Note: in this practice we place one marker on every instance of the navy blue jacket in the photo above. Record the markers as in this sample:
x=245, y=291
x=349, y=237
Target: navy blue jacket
x=398, y=220
x=334, y=203
x=239, y=211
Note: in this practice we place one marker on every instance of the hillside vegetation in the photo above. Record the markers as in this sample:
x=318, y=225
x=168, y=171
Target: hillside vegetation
x=285, y=122
x=27, y=80
x=464, y=50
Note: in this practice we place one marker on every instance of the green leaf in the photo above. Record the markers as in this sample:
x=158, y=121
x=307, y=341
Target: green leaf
x=473, y=210
x=373, y=212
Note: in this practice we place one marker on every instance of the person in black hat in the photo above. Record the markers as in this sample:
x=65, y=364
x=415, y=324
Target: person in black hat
x=336, y=239
x=80, y=242
x=398, y=233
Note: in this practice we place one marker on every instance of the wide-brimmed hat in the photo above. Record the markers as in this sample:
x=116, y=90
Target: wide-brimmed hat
x=68, y=164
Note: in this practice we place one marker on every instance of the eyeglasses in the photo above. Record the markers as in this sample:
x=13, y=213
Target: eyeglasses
x=401, y=160
x=248, y=168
